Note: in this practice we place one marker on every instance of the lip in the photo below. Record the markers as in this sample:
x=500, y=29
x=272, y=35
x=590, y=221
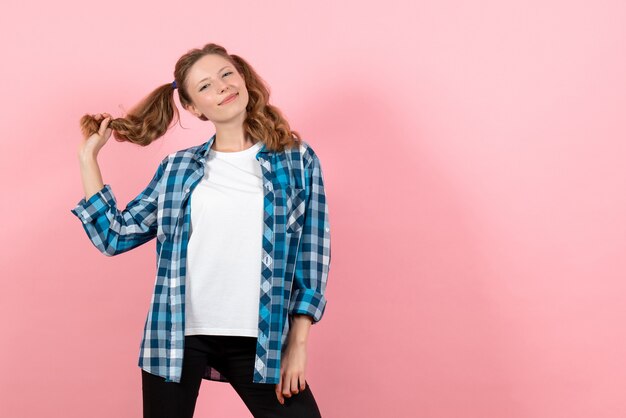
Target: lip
x=229, y=99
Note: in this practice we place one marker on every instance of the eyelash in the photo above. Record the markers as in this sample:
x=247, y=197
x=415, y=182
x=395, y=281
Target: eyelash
x=208, y=84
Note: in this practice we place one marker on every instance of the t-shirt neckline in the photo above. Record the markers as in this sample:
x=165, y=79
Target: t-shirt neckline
x=244, y=152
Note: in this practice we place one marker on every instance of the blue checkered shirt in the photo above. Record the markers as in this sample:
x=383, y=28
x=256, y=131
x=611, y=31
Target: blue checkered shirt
x=295, y=256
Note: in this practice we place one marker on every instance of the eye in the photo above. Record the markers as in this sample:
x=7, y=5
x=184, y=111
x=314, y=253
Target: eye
x=208, y=84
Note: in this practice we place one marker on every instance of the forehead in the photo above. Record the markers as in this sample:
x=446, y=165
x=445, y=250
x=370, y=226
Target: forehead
x=207, y=66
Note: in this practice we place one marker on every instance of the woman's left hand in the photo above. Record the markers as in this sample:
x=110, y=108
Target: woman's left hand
x=292, y=367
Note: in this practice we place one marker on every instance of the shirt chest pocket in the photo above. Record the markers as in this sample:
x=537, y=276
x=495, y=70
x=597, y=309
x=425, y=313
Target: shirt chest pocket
x=295, y=209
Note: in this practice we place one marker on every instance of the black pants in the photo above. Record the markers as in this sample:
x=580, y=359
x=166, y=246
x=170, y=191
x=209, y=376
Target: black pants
x=232, y=356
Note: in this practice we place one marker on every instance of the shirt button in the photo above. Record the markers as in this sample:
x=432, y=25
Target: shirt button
x=187, y=190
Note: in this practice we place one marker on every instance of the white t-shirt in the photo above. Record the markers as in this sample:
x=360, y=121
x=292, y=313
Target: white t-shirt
x=224, y=253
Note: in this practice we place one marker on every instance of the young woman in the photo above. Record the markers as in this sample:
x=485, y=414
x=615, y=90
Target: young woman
x=243, y=240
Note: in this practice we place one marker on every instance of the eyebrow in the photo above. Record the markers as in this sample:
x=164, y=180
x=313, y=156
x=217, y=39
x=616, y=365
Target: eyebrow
x=206, y=78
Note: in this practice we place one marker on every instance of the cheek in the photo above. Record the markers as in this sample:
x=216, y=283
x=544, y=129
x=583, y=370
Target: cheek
x=241, y=83
x=210, y=102
x=245, y=98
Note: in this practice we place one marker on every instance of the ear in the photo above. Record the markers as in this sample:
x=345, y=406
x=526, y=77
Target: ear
x=192, y=109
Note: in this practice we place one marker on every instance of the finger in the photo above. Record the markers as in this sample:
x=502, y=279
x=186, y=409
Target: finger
x=302, y=382
x=105, y=121
x=287, y=385
x=294, y=384
x=278, y=389
x=103, y=126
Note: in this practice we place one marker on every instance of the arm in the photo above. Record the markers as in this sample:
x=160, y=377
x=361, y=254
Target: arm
x=307, y=302
x=313, y=257
x=299, y=330
x=113, y=231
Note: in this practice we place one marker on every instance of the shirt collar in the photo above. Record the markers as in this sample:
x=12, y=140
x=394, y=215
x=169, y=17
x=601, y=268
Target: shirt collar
x=202, y=152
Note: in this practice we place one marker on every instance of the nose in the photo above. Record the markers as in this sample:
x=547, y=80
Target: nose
x=222, y=86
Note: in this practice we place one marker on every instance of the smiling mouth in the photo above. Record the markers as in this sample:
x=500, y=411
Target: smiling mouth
x=230, y=99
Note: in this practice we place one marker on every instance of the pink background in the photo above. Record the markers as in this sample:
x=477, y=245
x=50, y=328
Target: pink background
x=474, y=159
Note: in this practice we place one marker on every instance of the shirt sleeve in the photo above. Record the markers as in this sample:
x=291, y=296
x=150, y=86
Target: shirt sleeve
x=313, y=256
x=113, y=231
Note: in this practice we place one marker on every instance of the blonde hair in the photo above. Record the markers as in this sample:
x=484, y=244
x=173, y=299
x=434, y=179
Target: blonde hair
x=151, y=117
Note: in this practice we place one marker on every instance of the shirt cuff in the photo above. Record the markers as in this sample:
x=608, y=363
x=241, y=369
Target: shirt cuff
x=307, y=302
x=88, y=210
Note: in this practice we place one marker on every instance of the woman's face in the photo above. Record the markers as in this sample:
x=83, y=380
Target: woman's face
x=210, y=81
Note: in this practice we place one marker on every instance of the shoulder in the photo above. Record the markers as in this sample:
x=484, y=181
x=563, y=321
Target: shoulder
x=181, y=158
x=308, y=154
x=186, y=152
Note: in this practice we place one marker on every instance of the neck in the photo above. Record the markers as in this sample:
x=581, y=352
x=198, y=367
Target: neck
x=230, y=137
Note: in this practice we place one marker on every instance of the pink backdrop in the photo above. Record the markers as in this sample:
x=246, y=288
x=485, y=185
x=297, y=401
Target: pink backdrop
x=474, y=159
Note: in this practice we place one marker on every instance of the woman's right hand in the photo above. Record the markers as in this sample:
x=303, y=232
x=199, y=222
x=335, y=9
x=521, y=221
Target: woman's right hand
x=90, y=147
